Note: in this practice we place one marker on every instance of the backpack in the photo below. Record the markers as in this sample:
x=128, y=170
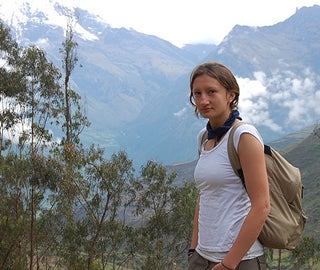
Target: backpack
x=286, y=220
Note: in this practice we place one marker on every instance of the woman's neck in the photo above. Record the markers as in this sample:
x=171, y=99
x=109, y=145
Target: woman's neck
x=218, y=132
x=218, y=122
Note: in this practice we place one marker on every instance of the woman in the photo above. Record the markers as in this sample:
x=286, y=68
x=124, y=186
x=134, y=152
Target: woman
x=228, y=216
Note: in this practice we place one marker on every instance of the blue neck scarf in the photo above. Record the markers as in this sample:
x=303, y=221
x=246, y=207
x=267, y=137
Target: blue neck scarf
x=220, y=131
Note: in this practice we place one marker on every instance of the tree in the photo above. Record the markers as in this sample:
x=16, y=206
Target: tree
x=316, y=130
x=37, y=105
x=269, y=257
x=307, y=252
x=184, y=200
x=107, y=203
x=74, y=123
x=30, y=97
x=70, y=151
x=166, y=214
x=14, y=218
x=12, y=82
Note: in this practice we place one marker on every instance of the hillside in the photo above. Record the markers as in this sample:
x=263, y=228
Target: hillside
x=306, y=156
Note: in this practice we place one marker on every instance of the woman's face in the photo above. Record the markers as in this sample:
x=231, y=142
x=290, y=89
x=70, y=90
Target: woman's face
x=212, y=99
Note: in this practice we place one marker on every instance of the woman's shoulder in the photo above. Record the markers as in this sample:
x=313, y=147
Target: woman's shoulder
x=246, y=128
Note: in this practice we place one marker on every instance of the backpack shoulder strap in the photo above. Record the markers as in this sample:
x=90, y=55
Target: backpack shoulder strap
x=233, y=155
x=203, y=138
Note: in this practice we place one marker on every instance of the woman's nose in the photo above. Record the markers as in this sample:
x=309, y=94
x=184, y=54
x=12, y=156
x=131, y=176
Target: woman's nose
x=203, y=99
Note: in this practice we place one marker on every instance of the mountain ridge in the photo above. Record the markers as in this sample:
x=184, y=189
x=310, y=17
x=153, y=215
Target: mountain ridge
x=135, y=86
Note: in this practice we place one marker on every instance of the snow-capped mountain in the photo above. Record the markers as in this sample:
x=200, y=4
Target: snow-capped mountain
x=19, y=13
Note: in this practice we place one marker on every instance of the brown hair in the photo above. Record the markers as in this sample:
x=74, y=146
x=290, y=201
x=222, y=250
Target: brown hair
x=222, y=74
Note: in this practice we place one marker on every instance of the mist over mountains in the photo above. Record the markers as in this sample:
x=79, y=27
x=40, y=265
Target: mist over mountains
x=135, y=87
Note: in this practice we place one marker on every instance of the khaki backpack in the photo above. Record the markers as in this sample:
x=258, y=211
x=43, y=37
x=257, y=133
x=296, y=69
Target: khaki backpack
x=286, y=220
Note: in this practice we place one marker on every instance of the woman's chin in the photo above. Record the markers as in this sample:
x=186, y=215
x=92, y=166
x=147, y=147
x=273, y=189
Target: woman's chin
x=205, y=114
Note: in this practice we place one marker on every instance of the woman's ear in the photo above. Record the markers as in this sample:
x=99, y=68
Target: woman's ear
x=231, y=96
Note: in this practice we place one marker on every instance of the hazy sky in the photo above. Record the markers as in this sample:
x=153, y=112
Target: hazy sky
x=178, y=21
x=184, y=21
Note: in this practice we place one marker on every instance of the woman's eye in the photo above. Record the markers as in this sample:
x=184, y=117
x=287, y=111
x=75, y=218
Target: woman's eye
x=211, y=92
x=196, y=94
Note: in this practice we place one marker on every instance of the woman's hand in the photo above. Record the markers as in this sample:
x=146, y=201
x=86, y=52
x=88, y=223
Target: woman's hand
x=221, y=266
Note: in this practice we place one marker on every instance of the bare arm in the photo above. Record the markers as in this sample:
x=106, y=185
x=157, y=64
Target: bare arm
x=253, y=165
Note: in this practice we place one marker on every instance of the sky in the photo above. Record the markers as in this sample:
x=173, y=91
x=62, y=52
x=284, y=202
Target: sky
x=180, y=22
x=183, y=21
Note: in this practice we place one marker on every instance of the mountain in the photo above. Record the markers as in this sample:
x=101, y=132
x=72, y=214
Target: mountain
x=135, y=86
x=280, y=99
x=288, y=45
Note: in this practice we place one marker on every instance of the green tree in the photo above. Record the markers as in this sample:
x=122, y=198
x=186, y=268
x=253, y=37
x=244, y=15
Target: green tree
x=14, y=218
x=269, y=257
x=39, y=103
x=16, y=174
x=12, y=82
x=107, y=203
x=306, y=253
x=30, y=97
x=184, y=199
x=316, y=130
x=74, y=123
x=73, y=185
x=166, y=214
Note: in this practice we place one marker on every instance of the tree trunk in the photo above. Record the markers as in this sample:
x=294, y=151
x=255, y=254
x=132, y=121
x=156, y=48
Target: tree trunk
x=279, y=260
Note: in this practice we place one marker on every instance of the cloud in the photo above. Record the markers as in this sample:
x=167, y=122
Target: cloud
x=304, y=102
x=43, y=43
x=253, y=102
x=285, y=98
x=182, y=22
x=299, y=95
x=181, y=113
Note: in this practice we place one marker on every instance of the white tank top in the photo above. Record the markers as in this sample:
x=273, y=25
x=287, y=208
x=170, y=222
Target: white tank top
x=224, y=202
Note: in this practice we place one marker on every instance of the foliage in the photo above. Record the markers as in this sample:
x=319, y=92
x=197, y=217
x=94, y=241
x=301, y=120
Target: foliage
x=307, y=253
x=316, y=130
x=68, y=207
x=74, y=122
x=167, y=214
x=12, y=83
